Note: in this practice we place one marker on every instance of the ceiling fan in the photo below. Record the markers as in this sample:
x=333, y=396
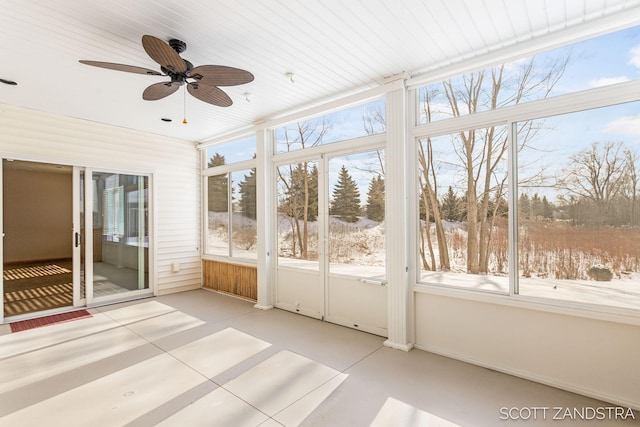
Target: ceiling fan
x=201, y=81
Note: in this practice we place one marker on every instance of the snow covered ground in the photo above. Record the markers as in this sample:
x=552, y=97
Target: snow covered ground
x=357, y=249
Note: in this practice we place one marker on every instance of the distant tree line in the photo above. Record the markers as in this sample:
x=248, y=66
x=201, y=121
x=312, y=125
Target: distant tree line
x=600, y=186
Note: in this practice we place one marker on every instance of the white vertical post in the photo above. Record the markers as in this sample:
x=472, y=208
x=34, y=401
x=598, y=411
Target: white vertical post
x=140, y=231
x=88, y=234
x=76, y=230
x=396, y=228
x=264, y=195
x=512, y=156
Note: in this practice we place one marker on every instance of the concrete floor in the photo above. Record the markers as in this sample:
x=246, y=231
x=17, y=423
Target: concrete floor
x=202, y=358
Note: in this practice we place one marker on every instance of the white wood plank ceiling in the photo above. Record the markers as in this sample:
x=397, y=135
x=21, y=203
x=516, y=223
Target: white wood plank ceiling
x=334, y=48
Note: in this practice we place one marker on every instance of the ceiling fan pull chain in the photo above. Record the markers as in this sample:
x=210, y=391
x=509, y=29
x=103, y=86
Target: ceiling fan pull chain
x=184, y=121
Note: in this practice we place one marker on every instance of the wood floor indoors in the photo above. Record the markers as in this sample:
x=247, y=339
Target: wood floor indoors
x=37, y=286
x=203, y=358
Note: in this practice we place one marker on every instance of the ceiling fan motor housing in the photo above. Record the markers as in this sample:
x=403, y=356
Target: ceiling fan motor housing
x=178, y=78
x=178, y=45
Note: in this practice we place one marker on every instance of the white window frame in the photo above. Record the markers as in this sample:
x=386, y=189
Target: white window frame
x=563, y=104
x=214, y=171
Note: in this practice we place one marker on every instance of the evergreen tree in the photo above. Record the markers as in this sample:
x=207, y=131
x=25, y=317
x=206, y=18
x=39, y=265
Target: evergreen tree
x=450, y=206
x=313, y=193
x=303, y=186
x=524, y=206
x=547, y=208
x=375, y=199
x=502, y=208
x=346, y=197
x=248, y=195
x=536, y=206
x=218, y=187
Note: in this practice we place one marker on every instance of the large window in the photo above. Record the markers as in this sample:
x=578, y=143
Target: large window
x=578, y=207
x=544, y=207
x=231, y=200
x=462, y=197
x=602, y=61
x=354, y=122
x=231, y=212
x=230, y=152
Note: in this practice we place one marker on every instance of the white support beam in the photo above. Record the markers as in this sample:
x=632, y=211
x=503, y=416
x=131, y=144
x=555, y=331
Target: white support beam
x=396, y=227
x=264, y=195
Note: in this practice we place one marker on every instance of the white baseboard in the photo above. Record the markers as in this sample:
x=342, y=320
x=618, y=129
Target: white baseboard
x=397, y=346
x=616, y=400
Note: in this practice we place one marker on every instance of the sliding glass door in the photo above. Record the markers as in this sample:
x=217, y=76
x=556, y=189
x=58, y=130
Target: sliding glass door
x=116, y=236
x=46, y=268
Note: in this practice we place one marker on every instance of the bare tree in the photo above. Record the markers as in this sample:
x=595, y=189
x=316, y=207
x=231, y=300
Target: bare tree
x=374, y=123
x=428, y=181
x=481, y=153
x=596, y=173
x=600, y=176
x=298, y=181
x=631, y=173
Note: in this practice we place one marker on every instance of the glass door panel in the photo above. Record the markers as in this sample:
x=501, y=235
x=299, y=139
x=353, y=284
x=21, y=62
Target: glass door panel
x=356, y=215
x=356, y=280
x=120, y=234
x=300, y=284
x=298, y=215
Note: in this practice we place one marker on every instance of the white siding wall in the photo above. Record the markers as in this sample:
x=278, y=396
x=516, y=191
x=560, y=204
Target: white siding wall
x=36, y=136
x=589, y=356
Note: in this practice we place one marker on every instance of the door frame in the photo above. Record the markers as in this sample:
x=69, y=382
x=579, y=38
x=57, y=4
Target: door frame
x=77, y=241
x=322, y=154
x=342, y=306
x=304, y=302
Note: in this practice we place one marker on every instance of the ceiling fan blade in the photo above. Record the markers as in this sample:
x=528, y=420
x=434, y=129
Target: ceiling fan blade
x=219, y=75
x=159, y=90
x=122, y=67
x=163, y=54
x=209, y=94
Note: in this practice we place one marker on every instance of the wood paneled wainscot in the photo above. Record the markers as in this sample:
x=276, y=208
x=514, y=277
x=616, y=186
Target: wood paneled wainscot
x=236, y=279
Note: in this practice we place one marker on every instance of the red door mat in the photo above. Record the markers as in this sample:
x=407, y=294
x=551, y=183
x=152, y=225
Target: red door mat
x=24, y=325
